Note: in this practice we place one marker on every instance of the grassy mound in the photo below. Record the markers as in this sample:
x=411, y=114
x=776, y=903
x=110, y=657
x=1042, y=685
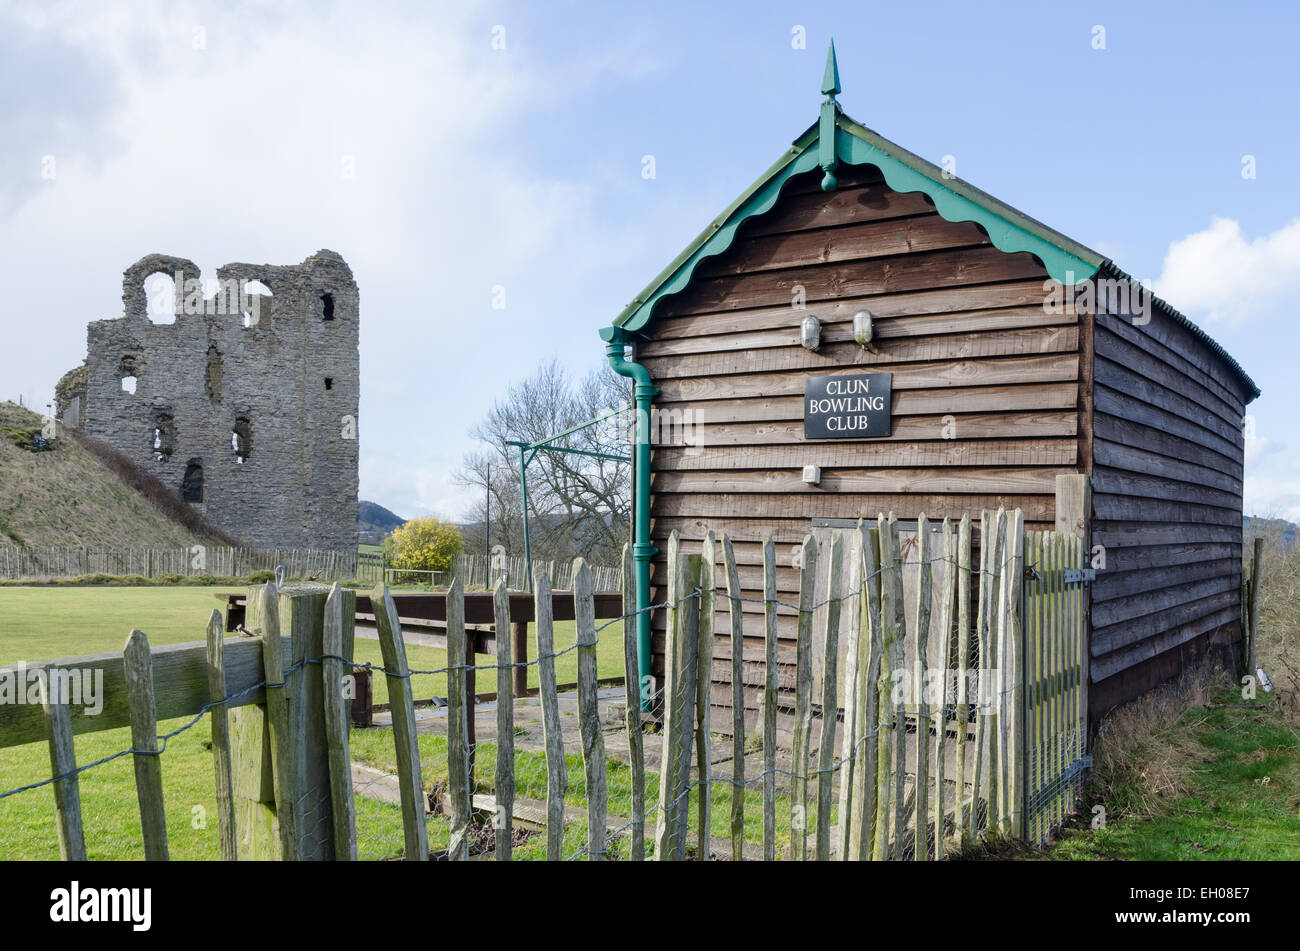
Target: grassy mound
x=66, y=495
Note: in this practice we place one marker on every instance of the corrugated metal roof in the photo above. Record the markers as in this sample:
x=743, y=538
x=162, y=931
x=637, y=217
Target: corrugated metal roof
x=1111, y=270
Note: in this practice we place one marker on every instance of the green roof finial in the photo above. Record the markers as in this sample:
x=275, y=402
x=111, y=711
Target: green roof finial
x=826, y=132
x=831, y=79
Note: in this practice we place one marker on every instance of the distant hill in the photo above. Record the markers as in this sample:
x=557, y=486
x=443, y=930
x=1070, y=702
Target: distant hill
x=375, y=523
x=64, y=493
x=1285, y=532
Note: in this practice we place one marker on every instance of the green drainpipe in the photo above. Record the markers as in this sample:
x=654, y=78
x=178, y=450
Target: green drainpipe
x=642, y=551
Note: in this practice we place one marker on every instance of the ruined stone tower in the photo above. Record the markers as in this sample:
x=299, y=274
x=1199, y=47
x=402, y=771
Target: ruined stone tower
x=246, y=404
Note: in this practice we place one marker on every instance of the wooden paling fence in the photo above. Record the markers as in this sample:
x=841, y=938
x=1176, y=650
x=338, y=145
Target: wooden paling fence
x=477, y=572
x=938, y=698
x=24, y=562
x=370, y=567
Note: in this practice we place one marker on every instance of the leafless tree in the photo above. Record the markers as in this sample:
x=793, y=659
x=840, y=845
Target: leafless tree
x=577, y=504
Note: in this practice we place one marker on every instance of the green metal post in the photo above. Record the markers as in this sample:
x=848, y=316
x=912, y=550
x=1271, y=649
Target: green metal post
x=523, y=493
x=642, y=551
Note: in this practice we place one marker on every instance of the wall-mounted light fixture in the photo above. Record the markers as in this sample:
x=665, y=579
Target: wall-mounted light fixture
x=810, y=332
x=863, y=327
x=812, y=474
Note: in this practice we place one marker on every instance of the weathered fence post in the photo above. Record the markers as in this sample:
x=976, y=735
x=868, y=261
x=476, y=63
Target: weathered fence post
x=281, y=756
x=679, y=698
x=519, y=645
x=1074, y=515
x=335, y=670
x=1256, y=563
x=410, y=784
x=556, y=770
x=829, y=703
x=984, y=776
x=803, y=684
x=964, y=826
x=889, y=713
x=769, y=699
x=636, y=686
x=253, y=776
x=703, y=685
x=945, y=642
x=220, y=723
x=865, y=812
x=854, y=667
x=924, y=601
x=737, y=618
x=137, y=664
x=63, y=763
x=505, y=766
x=593, y=740
x=460, y=707
x=898, y=622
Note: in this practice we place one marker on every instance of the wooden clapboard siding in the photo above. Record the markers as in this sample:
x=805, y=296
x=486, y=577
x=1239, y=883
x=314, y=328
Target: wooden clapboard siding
x=735, y=383
x=1167, y=476
x=894, y=274
x=1009, y=451
x=709, y=505
x=975, y=357
x=956, y=479
x=770, y=327
x=951, y=399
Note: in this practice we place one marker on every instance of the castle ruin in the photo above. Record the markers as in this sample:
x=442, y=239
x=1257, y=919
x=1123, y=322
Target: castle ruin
x=246, y=403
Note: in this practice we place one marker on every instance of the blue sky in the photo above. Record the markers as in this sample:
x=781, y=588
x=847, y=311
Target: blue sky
x=218, y=132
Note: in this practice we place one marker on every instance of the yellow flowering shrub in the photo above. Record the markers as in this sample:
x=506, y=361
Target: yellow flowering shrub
x=425, y=543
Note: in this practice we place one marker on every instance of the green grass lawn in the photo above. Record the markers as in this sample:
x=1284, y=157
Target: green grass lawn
x=41, y=623
x=1242, y=799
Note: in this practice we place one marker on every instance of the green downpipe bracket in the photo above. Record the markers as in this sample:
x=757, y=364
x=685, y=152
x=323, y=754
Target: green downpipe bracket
x=642, y=550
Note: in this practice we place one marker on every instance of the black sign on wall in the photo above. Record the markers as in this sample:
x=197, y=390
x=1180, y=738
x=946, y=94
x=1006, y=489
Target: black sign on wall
x=856, y=406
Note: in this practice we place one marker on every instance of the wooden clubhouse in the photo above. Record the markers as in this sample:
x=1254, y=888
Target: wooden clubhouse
x=860, y=332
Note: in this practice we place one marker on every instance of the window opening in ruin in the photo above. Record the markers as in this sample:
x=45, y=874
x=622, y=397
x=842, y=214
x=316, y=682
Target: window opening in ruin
x=329, y=382
x=160, y=298
x=192, y=484
x=212, y=377
x=256, y=305
x=126, y=370
x=327, y=306
x=241, y=439
x=164, y=436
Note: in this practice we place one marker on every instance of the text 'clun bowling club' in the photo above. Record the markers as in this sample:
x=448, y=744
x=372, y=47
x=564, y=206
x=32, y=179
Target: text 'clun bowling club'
x=839, y=407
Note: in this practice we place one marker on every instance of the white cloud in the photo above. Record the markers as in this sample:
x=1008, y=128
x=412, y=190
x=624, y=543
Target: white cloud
x=1273, y=498
x=1272, y=484
x=233, y=152
x=1220, y=274
x=1260, y=447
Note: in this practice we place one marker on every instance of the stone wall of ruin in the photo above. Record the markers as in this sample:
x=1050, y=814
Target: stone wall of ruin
x=281, y=371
